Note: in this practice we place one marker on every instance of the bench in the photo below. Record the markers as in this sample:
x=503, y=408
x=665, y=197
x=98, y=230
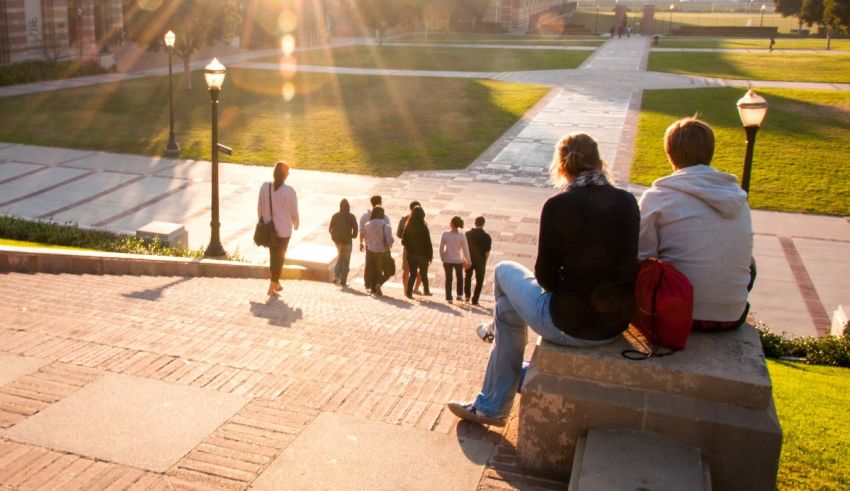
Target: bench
x=715, y=397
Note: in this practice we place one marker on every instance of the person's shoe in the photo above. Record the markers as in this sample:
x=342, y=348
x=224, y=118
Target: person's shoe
x=427, y=294
x=336, y=281
x=466, y=299
x=449, y=300
x=469, y=412
x=377, y=291
x=343, y=284
x=418, y=291
x=408, y=295
x=475, y=302
x=485, y=332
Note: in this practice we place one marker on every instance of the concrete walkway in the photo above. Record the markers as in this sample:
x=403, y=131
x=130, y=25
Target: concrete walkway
x=796, y=292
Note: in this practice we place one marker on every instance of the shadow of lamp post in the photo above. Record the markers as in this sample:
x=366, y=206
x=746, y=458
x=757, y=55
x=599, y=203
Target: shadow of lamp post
x=752, y=108
x=214, y=76
x=172, y=148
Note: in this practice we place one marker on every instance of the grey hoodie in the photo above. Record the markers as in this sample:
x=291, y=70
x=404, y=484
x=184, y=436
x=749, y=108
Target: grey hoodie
x=698, y=220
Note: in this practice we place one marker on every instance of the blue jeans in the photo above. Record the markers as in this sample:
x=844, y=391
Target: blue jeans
x=520, y=301
x=343, y=252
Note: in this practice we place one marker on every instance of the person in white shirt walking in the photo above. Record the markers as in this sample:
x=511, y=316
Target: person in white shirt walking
x=283, y=209
x=454, y=252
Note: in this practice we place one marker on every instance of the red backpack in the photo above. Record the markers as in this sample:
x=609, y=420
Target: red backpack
x=664, y=305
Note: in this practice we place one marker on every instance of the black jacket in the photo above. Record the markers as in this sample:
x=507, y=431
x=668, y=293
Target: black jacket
x=417, y=241
x=587, y=257
x=343, y=228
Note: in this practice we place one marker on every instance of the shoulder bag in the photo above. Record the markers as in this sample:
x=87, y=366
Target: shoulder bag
x=387, y=261
x=264, y=233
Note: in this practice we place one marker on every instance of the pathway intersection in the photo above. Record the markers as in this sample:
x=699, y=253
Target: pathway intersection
x=319, y=361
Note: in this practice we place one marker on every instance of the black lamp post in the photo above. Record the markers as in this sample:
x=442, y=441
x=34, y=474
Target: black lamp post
x=596, y=25
x=670, y=26
x=172, y=148
x=214, y=76
x=761, y=24
x=752, y=108
x=80, y=31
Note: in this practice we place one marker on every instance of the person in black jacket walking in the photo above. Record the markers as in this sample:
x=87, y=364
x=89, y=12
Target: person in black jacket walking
x=420, y=252
x=581, y=292
x=479, y=250
x=343, y=229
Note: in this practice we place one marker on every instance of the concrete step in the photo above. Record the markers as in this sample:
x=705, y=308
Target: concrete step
x=609, y=460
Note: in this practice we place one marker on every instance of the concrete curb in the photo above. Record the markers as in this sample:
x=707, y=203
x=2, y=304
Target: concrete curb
x=37, y=260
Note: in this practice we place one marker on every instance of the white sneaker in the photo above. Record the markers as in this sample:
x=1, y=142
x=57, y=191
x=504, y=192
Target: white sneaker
x=485, y=332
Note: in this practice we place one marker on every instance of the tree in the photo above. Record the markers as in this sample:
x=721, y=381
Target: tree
x=836, y=15
x=811, y=12
x=470, y=11
x=196, y=23
x=380, y=15
x=790, y=8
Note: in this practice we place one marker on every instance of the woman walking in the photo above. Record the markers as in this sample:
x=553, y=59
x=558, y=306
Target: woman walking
x=343, y=229
x=581, y=291
x=454, y=252
x=378, y=237
x=420, y=252
x=278, y=202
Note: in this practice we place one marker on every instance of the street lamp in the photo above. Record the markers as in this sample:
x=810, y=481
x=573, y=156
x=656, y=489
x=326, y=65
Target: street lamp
x=172, y=148
x=752, y=108
x=80, y=31
x=670, y=27
x=596, y=25
x=761, y=24
x=214, y=76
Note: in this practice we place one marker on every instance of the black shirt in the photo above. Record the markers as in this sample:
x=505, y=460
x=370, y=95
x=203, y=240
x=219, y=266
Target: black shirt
x=343, y=228
x=417, y=241
x=587, y=257
x=479, y=245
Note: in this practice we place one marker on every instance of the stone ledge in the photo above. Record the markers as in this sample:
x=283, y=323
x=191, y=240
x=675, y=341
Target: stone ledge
x=724, y=367
x=38, y=260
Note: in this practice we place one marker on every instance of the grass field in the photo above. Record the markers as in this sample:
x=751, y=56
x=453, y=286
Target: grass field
x=811, y=403
x=800, y=158
x=359, y=124
x=587, y=17
x=434, y=58
x=795, y=67
x=21, y=243
x=757, y=43
x=528, y=39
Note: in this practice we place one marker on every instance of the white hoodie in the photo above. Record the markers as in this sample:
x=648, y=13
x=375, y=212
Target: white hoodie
x=698, y=220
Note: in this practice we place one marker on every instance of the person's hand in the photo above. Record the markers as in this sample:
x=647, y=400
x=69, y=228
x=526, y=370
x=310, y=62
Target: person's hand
x=362, y=247
x=466, y=265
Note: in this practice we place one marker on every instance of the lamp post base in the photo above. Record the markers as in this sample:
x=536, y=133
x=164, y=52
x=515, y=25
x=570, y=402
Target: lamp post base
x=172, y=148
x=215, y=251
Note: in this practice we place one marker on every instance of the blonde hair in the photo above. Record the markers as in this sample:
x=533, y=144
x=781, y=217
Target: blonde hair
x=689, y=141
x=575, y=153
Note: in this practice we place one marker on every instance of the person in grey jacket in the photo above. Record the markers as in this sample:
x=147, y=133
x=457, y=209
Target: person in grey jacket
x=378, y=237
x=698, y=220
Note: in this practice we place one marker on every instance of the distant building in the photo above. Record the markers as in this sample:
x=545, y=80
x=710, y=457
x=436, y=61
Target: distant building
x=519, y=15
x=57, y=29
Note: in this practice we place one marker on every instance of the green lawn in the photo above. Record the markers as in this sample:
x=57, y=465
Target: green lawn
x=531, y=39
x=359, y=124
x=800, y=158
x=795, y=67
x=21, y=243
x=435, y=58
x=812, y=403
x=754, y=43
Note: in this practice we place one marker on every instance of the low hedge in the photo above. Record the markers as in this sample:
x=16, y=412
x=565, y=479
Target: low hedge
x=827, y=350
x=73, y=236
x=39, y=70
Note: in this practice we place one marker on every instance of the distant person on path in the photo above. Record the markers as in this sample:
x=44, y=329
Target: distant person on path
x=629, y=31
x=377, y=202
x=405, y=266
x=581, y=292
x=698, y=220
x=772, y=43
x=378, y=238
x=419, y=251
x=343, y=229
x=479, y=243
x=284, y=212
x=454, y=252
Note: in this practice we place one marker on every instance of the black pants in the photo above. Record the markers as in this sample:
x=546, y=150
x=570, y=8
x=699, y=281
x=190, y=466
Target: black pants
x=374, y=274
x=478, y=270
x=277, y=254
x=458, y=270
x=418, y=266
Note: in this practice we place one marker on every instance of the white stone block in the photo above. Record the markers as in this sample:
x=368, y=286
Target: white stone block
x=173, y=234
x=840, y=322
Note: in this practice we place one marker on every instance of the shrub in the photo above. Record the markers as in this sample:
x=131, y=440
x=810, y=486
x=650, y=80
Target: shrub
x=73, y=236
x=38, y=70
x=826, y=350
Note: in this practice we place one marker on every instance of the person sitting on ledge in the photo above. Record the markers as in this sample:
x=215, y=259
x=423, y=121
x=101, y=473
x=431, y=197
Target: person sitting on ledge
x=697, y=219
x=581, y=293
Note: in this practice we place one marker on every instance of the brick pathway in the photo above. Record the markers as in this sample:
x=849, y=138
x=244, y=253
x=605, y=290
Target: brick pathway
x=315, y=350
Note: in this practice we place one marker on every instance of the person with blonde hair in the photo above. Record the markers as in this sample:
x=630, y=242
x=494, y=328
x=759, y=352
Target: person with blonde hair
x=698, y=220
x=581, y=292
x=278, y=202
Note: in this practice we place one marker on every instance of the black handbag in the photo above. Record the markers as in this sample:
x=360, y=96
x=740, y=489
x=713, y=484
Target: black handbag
x=387, y=261
x=264, y=233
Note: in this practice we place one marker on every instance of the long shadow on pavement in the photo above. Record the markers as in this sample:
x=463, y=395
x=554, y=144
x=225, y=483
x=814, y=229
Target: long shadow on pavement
x=154, y=294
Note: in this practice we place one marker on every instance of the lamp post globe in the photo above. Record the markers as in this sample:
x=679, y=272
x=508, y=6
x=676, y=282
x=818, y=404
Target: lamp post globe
x=172, y=148
x=752, y=109
x=214, y=76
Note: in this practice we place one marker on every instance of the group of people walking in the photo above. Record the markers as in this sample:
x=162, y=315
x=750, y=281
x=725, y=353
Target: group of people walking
x=592, y=237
